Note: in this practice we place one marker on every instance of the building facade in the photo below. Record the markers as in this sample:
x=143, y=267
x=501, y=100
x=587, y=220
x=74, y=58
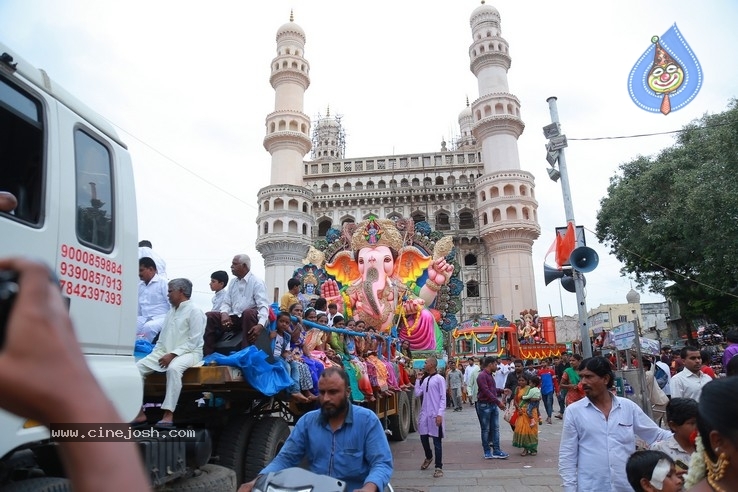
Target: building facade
x=472, y=189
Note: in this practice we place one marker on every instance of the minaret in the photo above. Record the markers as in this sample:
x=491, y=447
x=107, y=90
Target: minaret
x=285, y=220
x=466, y=125
x=329, y=138
x=506, y=204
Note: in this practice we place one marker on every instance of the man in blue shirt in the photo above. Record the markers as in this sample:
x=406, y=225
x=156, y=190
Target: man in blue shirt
x=341, y=440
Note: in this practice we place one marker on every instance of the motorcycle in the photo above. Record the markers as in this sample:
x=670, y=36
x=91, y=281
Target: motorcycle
x=301, y=480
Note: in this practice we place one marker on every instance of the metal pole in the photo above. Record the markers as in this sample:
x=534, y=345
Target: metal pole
x=569, y=210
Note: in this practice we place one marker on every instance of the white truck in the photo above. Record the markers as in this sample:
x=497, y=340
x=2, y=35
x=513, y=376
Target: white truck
x=73, y=180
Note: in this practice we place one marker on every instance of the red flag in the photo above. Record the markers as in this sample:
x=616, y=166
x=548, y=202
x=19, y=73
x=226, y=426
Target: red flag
x=565, y=245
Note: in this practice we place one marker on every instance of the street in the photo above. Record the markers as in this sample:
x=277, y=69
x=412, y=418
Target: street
x=465, y=469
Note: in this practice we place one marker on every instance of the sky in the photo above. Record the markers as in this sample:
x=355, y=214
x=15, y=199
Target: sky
x=187, y=85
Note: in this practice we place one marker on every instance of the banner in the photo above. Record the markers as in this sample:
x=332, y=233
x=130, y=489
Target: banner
x=623, y=335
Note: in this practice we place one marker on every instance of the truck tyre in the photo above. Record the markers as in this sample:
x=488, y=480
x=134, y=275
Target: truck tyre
x=267, y=438
x=399, y=423
x=232, y=443
x=415, y=403
x=209, y=478
x=42, y=484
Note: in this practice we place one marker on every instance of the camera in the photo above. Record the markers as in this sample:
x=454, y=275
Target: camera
x=8, y=291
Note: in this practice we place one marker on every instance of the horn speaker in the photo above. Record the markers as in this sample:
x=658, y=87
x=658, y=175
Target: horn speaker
x=584, y=259
x=550, y=274
x=567, y=282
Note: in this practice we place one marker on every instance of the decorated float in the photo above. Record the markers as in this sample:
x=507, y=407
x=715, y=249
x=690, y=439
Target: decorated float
x=399, y=277
x=530, y=337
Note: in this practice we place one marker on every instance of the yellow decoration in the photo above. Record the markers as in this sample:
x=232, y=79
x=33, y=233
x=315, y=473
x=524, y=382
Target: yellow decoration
x=468, y=336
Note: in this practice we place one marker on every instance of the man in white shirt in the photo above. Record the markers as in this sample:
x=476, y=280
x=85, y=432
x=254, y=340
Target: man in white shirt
x=245, y=306
x=470, y=377
x=179, y=346
x=503, y=369
x=688, y=383
x=145, y=250
x=600, y=432
x=153, y=303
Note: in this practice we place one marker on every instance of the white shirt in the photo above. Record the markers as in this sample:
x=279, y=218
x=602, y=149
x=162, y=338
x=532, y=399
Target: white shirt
x=686, y=384
x=182, y=332
x=664, y=367
x=467, y=373
x=161, y=265
x=246, y=293
x=218, y=299
x=152, y=297
x=501, y=374
x=594, y=450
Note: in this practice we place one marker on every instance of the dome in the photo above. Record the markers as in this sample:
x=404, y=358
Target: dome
x=633, y=297
x=483, y=11
x=465, y=113
x=290, y=27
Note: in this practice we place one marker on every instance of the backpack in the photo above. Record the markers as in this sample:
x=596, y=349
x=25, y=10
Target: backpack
x=660, y=377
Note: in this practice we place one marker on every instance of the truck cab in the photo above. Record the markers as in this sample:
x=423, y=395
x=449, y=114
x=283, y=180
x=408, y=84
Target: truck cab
x=71, y=176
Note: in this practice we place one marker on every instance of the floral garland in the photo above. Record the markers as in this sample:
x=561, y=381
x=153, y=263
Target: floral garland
x=697, y=469
x=347, y=304
x=469, y=336
x=400, y=311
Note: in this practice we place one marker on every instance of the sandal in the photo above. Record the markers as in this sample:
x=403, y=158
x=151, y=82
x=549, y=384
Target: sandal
x=524, y=453
x=533, y=453
x=438, y=473
x=426, y=463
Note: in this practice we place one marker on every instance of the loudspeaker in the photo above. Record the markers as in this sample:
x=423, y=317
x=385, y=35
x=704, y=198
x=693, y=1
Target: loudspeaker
x=584, y=259
x=550, y=273
x=567, y=282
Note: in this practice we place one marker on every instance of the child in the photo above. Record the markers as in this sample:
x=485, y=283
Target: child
x=533, y=396
x=653, y=471
x=681, y=416
x=218, y=281
x=281, y=352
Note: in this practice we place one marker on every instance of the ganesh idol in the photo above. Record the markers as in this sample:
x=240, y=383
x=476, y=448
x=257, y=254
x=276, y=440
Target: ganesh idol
x=387, y=282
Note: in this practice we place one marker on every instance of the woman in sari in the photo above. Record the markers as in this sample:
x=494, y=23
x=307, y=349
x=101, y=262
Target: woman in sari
x=570, y=381
x=525, y=435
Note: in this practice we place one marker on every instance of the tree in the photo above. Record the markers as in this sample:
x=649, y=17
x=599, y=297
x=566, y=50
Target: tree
x=673, y=220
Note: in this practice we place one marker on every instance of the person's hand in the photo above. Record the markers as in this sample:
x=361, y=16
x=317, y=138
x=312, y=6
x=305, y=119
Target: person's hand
x=440, y=271
x=507, y=392
x=500, y=405
x=253, y=333
x=42, y=369
x=225, y=320
x=165, y=360
x=439, y=420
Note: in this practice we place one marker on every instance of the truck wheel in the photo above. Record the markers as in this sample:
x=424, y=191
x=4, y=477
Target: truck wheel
x=42, y=484
x=267, y=438
x=415, y=403
x=399, y=423
x=210, y=478
x=232, y=443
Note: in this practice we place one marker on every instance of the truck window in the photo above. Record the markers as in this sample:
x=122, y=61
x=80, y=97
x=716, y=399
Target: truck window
x=94, y=192
x=21, y=148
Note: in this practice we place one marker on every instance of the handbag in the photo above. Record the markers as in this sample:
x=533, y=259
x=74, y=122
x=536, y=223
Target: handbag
x=511, y=414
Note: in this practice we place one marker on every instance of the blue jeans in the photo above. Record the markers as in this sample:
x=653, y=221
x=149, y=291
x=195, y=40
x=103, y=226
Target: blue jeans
x=548, y=404
x=425, y=441
x=490, y=423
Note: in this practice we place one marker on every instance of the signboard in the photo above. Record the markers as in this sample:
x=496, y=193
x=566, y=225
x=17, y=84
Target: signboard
x=651, y=347
x=623, y=335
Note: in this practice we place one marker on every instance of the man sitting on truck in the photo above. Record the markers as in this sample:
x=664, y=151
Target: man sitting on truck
x=245, y=306
x=152, y=300
x=179, y=346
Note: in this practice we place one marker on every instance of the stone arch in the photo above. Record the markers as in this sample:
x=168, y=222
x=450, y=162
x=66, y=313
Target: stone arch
x=304, y=229
x=278, y=204
x=292, y=227
x=404, y=183
x=278, y=226
x=266, y=205
x=482, y=196
x=523, y=190
x=266, y=227
x=293, y=205
x=418, y=216
x=282, y=125
x=293, y=126
x=381, y=185
x=499, y=108
x=416, y=182
x=494, y=192
x=439, y=180
x=442, y=221
x=347, y=186
x=427, y=181
x=496, y=215
x=511, y=213
x=508, y=190
x=323, y=226
x=394, y=216
x=451, y=181
x=466, y=219
x=347, y=219
x=359, y=185
x=336, y=187
x=472, y=288
x=370, y=185
x=305, y=208
x=487, y=110
x=484, y=218
x=393, y=184
x=324, y=188
x=526, y=213
x=470, y=259
x=463, y=180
